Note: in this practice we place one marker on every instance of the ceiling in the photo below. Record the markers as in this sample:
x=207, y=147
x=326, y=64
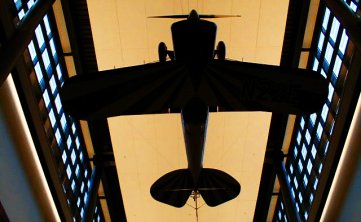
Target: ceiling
x=148, y=146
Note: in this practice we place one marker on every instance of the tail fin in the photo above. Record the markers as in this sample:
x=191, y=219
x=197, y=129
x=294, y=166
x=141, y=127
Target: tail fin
x=217, y=187
x=174, y=188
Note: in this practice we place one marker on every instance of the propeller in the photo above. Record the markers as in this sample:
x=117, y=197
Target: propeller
x=200, y=16
x=193, y=15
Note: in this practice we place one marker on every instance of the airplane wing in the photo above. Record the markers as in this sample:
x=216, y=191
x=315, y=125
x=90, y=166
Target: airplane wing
x=143, y=89
x=231, y=85
x=240, y=86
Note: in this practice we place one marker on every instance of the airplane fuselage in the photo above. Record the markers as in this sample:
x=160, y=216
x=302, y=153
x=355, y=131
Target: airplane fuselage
x=194, y=40
x=194, y=122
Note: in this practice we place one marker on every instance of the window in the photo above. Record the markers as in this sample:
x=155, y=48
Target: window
x=48, y=70
x=311, y=136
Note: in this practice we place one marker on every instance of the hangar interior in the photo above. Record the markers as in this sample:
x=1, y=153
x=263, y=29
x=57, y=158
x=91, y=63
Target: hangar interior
x=291, y=168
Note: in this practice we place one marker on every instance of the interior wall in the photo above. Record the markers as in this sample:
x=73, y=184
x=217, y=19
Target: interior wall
x=23, y=190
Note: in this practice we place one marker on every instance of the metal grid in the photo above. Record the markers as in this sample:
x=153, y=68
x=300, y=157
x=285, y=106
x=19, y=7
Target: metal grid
x=312, y=133
x=63, y=132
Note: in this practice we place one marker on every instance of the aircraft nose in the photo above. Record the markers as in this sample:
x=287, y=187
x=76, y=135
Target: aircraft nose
x=193, y=15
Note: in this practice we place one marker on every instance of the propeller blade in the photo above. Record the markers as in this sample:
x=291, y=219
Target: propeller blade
x=219, y=16
x=169, y=16
x=200, y=16
x=174, y=190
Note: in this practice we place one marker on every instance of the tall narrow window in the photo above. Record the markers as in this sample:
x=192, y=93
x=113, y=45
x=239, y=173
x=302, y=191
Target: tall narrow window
x=313, y=133
x=64, y=133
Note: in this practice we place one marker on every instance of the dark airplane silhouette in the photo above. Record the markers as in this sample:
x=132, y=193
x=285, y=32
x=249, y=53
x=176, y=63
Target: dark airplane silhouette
x=196, y=78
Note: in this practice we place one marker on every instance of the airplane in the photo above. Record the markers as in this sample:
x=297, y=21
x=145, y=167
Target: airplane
x=194, y=78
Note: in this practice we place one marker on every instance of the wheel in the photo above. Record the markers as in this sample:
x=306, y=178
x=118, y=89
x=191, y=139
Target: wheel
x=221, y=50
x=162, y=52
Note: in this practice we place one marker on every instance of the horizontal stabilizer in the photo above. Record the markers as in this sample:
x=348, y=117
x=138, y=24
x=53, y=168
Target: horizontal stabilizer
x=174, y=188
x=217, y=187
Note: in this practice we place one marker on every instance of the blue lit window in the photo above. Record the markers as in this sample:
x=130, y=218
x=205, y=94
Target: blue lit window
x=312, y=133
x=315, y=184
x=344, y=41
x=329, y=51
x=52, y=46
x=313, y=151
x=73, y=186
x=50, y=71
x=325, y=18
x=309, y=166
x=30, y=3
x=304, y=152
x=324, y=112
x=58, y=137
x=302, y=122
x=32, y=50
x=52, y=84
x=52, y=118
x=334, y=29
x=68, y=171
x=46, y=59
x=315, y=65
x=47, y=25
x=295, y=182
x=39, y=36
x=305, y=181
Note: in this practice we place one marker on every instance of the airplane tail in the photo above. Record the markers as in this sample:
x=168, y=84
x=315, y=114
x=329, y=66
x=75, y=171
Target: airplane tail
x=215, y=187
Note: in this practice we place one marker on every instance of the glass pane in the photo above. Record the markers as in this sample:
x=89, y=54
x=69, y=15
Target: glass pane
x=38, y=72
x=320, y=41
x=68, y=172
x=334, y=29
x=47, y=26
x=337, y=66
x=324, y=112
x=39, y=36
x=21, y=14
x=319, y=130
x=32, y=50
x=343, y=43
x=46, y=98
x=30, y=3
x=315, y=65
x=68, y=142
x=52, y=118
x=52, y=84
x=313, y=151
x=326, y=18
x=46, y=59
x=73, y=156
x=353, y=6
x=58, y=137
x=52, y=46
x=58, y=103
x=304, y=152
x=63, y=122
x=329, y=51
x=330, y=92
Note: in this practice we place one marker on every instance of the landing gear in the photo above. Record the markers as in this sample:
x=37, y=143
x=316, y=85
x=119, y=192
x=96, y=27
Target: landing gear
x=162, y=52
x=221, y=51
